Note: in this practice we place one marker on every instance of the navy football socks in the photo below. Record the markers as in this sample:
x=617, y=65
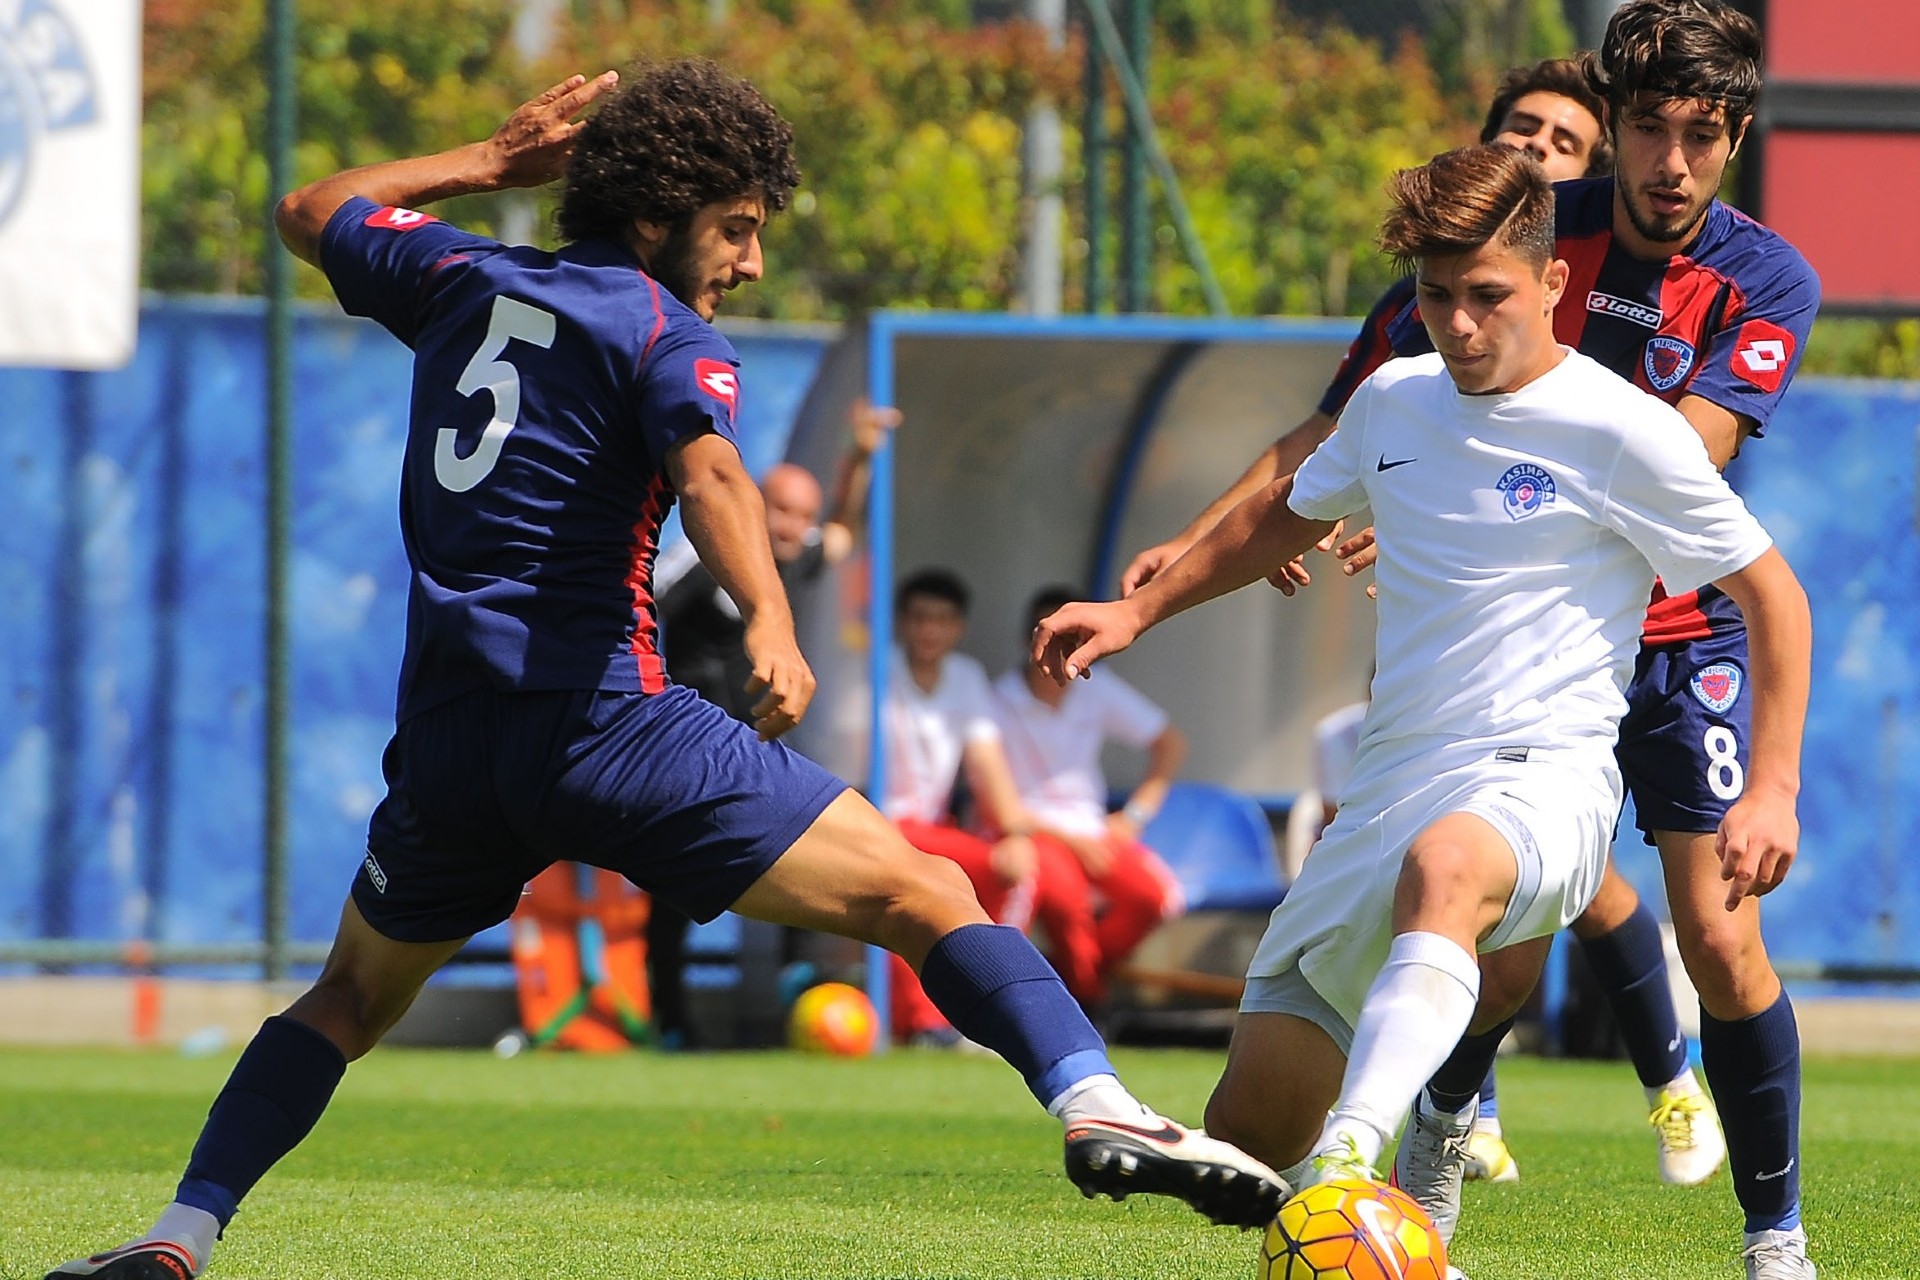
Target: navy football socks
x=276, y=1092
x=1754, y=1067
x=1630, y=964
x=998, y=991
x=1467, y=1071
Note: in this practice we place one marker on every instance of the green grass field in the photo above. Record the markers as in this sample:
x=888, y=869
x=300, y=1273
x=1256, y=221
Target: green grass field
x=433, y=1165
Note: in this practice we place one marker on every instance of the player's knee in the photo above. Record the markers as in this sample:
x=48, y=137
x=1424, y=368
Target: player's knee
x=352, y=1009
x=1440, y=870
x=927, y=896
x=1728, y=964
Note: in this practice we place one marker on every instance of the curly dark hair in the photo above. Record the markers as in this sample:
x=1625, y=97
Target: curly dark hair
x=675, y=137
x=1679, y=51
x=1566, y=77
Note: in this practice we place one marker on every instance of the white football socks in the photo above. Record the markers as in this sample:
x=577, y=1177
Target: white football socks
x=1100, y=1097
x=193, y=1229
x=1416, y=1011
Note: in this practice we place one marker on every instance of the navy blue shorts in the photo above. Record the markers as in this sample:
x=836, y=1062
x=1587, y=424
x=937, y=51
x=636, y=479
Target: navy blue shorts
x=1684, y=739
x=485, y=791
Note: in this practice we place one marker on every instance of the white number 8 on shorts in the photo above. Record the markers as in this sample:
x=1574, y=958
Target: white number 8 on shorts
x=1725, y=777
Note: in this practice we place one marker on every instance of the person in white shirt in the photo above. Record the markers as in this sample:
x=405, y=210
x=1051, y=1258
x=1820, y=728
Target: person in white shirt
x=939, y=721
x=1099, y=890
x=1523, y=498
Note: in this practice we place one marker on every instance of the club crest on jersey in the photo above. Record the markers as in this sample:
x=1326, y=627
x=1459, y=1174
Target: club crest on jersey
x=1668, y=362
x=1524, y=489
x=719, y=379
x=1717, y=686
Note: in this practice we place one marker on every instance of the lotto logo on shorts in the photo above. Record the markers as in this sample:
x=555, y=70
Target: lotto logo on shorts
x=375, y=874
x=1717, y=686
x=1763, y=354
x=392, y=219
x=719, y=380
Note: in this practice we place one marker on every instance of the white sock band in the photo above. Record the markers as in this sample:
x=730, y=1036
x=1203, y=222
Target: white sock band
x=1416, y=1011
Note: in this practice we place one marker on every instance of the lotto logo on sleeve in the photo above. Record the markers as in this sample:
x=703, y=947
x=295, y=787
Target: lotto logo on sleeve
x=1763, y=354
x=393, y=219
x=719, y=380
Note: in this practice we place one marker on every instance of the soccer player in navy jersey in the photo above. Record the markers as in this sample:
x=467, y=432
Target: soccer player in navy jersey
x=561, y=403
x=1704, y=307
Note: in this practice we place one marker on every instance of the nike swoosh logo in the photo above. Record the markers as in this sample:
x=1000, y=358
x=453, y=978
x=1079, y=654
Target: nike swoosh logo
x=1769, y=1177
x=1674, y=1043
x=1384, y=465
x=1166, y=1133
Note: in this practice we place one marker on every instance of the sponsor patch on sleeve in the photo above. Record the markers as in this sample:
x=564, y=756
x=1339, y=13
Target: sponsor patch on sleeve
x=721, y=381
x=393, y=218
x=1763, y=354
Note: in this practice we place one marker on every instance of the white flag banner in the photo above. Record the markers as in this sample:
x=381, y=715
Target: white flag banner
x=69, y=182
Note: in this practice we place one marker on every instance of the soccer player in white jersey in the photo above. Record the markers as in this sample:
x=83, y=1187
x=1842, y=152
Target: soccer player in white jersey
x=1523, y=497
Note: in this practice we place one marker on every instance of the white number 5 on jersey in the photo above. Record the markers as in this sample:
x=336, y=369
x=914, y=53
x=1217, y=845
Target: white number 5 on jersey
x=488, y=372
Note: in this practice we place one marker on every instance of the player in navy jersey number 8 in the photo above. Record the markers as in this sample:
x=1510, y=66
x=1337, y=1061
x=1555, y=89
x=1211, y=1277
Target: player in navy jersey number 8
x=561, y=403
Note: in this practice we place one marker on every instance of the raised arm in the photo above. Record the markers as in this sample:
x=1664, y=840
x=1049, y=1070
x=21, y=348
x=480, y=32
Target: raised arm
x=726, y=521
x=529, y=150
x=1760, y=834
x=846, y=521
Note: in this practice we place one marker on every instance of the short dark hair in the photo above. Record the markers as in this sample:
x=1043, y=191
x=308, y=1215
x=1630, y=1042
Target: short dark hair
x=937, y=584
x=1466, y=198
x=1567, y=77
x=674, y=138
x=1047, y=599
x=1679, y=51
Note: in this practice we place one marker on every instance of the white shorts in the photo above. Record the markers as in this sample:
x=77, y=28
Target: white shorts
x=1556, y=811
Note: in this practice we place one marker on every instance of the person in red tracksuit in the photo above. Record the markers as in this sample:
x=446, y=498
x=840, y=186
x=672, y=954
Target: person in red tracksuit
x=1099, y=889
x=939, y=722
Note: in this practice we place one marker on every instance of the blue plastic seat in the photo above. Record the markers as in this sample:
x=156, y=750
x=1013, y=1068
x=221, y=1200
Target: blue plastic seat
x=1220, y=846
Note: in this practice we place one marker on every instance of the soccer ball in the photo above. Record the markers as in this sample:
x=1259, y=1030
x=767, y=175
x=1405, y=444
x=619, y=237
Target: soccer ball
x=833, y=1018
x=1352, y=1229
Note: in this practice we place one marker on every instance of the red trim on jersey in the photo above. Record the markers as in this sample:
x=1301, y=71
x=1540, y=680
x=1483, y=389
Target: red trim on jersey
x=659, y=318
x=1369, y=350
x=1584, y=256
x=646, y=619
x=1674, y=619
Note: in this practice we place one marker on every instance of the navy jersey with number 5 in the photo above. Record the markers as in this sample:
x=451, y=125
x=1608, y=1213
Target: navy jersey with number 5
x=547, y=391
x=1726, y=320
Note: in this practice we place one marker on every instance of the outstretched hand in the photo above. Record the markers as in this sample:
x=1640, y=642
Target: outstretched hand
x=1072, y=638
x=531, y=149
x=1757, y=842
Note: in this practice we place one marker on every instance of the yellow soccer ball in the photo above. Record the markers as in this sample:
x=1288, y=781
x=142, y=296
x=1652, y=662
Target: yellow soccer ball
x=833, y=1018
x=1352, y=1229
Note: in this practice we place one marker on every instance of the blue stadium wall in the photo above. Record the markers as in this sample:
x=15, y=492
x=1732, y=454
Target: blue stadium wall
x=131, y=617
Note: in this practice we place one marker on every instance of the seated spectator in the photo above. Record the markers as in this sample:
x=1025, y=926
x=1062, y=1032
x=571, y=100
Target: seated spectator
x=1100, y=891
x=939, y=720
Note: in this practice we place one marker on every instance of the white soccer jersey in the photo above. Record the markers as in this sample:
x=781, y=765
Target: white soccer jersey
x=1519, y=537
x=927, y=733
x=1054, y=752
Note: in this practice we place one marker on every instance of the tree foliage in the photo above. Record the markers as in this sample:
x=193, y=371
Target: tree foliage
x=909, y=122
x=909, y=127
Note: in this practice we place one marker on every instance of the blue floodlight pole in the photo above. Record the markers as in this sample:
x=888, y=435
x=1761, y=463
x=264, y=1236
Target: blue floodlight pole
x=879, y=628
x=279, y=271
